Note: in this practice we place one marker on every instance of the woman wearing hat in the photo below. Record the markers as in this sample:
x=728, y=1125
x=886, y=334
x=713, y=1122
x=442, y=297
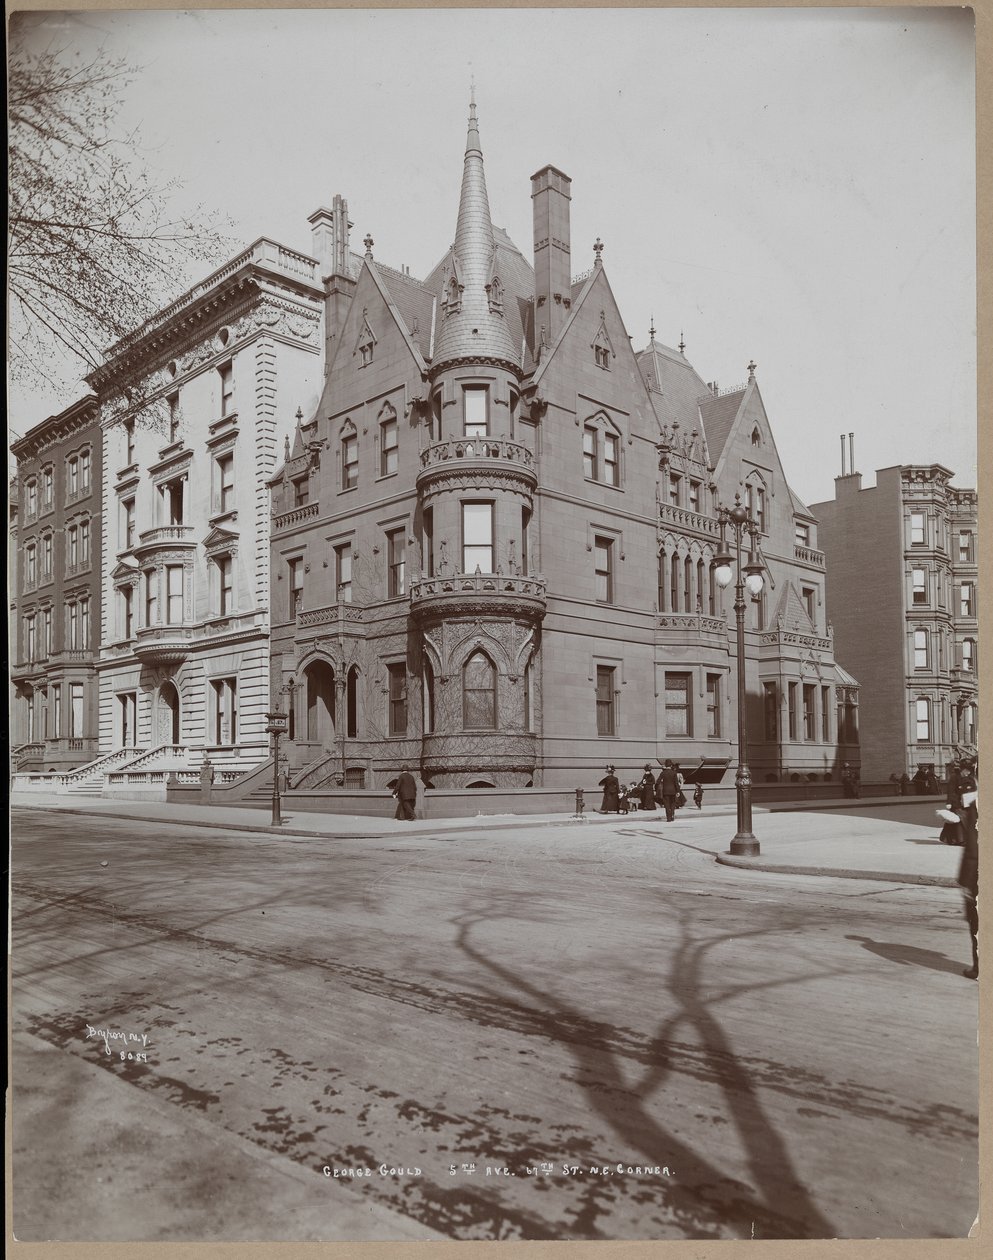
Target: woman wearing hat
x=611, y=800
x=646, y=789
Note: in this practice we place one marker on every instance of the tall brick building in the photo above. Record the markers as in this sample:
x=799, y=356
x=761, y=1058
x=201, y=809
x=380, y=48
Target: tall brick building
x=493, y=540
x=901, y=592
x=55, y=563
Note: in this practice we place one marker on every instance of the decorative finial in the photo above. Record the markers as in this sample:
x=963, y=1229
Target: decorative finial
x=368, y=243
x=598, y=250
x=682, y=343
x=752, y=365
x=286, y=446
x=299, y=414
x=651, y=328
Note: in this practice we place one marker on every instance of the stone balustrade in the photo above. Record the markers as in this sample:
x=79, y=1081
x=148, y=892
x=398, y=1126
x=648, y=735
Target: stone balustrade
x=479, y=594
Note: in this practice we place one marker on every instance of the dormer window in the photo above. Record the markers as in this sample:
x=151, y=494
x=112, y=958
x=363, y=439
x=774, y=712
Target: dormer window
x=494, y=294
x=601, y=356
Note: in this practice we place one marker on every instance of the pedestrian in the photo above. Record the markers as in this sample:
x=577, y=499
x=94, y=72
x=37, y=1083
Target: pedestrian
x=646, y=789
x=406, y=794
x=965, y=796
x=611, y=793
x=931, y=782
x=667, y=789
x=919, y=781
x=698, y=794
x=680, y=795
x=206, y=781
x=905, y=784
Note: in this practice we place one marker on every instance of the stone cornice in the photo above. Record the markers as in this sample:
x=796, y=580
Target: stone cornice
x=72, y=422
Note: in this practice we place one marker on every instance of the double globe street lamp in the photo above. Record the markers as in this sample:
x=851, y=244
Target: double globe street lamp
x=750, y=577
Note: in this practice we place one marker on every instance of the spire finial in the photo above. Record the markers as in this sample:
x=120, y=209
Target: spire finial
x=752, y=365
x=682, y=343
x=651, y=328
x=299, y=414
x=598, y=250
x=368, y=243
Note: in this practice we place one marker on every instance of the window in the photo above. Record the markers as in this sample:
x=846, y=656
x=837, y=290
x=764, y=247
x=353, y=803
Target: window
x=31, y=494
x=72, y=625
x=427, y=680
x=687, y=585
x=791, y=701
x=301, y=491
x=968, y=655
x=809, y=596
x=225, y=715
x=674, y=584
x=663, y=567
x=917, y=529
x=151, y=597
x=31, y=565
x=127, y=524
x=352, y=703
x=474, y=404
x=477, y=537
x=396, y=550
x=920, y=649
x=606, y=708
x=712, y=591
x=427, y=545
x=826, y=714
x=225, y=585
x=75, y=710
x=693, y=495
x=603, y=552
x=967, y=606
x=388, y=448
x=127, y=707
x=129, y=442
x=675, y=482
x=397, y=699
x=343, y=569
x=809, y=711
x=46, y=631
x=349, y=461
x=923, y=720
x=755, y=503
x=171, y=501
x=611, y=460
x=127, y=612
x=46, y=557
x=479, y=693
x=84, y=542
x=84, y=623
x=590, y=453
x=529, y=696
x=224, y=471
x=226, y=373
x=966, y=549
x=174, y=594
x=918, y=578
x=801, y=534
x=525, y=540
x=601, y=356
x=47, y=486
x=713, y=705
x=758, y=608
x=30, y=638
x=174, y=417
x=678, y=709
x=56, y=712
x=295, y=568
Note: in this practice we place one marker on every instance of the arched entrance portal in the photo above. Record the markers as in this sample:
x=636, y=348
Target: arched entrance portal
x=168, y=714
x=320, y=703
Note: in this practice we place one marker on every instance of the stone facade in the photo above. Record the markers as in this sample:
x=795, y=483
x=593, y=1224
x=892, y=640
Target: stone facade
x=196, y=407
x=55, y=566
x=493, y=539
x=902, y=590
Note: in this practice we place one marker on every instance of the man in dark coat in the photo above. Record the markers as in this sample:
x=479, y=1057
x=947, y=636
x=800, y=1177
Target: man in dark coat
x=611, y=803
x=667, y=789
x=964, y=797
x=646, y=789
x=406, y=794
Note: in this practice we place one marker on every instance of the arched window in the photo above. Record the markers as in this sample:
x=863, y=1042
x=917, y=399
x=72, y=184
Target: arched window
x=352, y=703
x=662, y=590
x=674, y=585
x=687, y=585
x=479, y=693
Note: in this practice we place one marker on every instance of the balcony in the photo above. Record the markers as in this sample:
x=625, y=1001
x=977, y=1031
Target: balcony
x=806, y=555
x=686, y=518
x=164, y=538
x=490, y=458
x=163, y=645
x=479, y=753
x=478, y=595
x=295, y=516
x=690, y=628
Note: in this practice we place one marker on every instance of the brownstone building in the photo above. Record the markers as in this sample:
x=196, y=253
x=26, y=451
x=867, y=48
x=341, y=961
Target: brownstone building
x=56, y=537
x=902, y=583
x=493, y=542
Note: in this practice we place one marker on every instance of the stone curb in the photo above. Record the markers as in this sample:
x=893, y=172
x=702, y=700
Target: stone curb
x=833, y=872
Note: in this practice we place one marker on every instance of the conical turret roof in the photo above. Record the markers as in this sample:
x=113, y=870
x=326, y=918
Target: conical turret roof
x=472, y=320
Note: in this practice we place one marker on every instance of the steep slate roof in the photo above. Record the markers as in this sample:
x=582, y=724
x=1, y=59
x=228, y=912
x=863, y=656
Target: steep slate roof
x=790, y=612
x=799, y=507
x=719, y=414
x=668, y=371
x=414, y=302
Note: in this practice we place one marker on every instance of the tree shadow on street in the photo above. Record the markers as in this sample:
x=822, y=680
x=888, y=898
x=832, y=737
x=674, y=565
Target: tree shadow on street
x=704, y=1201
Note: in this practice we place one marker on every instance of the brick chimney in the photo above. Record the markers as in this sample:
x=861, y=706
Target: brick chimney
x=330, y=247
x=550, y=196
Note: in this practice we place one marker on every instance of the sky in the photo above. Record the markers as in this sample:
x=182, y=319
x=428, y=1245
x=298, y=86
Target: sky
x=791, y=186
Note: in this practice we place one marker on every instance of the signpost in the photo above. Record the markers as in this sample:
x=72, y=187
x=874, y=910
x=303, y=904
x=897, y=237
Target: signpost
x=278, y=723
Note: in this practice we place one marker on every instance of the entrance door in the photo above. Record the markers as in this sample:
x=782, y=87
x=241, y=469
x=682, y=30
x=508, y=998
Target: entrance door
x=320, y=703
x=169, y=723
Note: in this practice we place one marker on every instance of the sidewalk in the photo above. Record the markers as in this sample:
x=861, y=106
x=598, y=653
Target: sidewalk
x=853, y=839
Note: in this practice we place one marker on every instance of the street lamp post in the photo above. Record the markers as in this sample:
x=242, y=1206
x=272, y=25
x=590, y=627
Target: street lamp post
x=277, y=725
x=740, y=522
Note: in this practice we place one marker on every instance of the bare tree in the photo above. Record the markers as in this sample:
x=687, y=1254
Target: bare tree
x=95, y=246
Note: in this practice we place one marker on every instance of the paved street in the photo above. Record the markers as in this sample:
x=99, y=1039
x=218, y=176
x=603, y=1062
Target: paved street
x=748, y=1054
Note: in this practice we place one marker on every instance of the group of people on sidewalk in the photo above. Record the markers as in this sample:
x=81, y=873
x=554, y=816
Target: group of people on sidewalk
x=649, y=791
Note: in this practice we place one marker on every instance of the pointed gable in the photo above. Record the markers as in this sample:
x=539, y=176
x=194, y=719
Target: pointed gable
x=718, y=413
x=790, y=614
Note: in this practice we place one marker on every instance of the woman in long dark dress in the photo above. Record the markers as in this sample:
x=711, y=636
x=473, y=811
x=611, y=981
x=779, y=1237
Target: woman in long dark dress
x=963, y=796
x=611, y=795
x=646, y=789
